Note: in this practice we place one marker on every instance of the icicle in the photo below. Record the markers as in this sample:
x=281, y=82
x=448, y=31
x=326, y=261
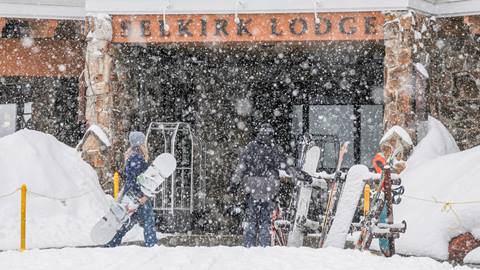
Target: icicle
x=238, y=5
x=316, y=4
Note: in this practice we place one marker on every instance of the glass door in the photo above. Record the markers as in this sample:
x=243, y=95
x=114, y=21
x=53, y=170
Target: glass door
x=333, y=120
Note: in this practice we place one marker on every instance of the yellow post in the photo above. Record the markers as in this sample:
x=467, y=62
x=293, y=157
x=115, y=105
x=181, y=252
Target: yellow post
x=116, y=185
x=366, y=199
x=23, y=217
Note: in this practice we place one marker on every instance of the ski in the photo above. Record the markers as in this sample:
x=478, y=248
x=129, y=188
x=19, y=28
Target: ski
x=332, y=195
x=382, y=197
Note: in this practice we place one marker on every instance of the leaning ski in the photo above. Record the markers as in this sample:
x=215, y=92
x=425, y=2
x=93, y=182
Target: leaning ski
x=383, y=198
x=332, y=195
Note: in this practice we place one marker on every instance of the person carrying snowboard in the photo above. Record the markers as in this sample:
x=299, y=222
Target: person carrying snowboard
x=136, y=159
x=258, y=169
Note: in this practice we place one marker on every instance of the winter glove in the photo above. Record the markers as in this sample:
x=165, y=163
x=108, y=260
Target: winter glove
x=303, y=176
x=232, y=189
x=339, y=177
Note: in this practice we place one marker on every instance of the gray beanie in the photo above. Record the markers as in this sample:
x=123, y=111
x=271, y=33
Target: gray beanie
x=136, y=138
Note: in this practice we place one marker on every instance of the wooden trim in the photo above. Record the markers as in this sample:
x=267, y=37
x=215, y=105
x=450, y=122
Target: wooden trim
x=3, y=21
x=474, y=24
x=248, y=27
x=45, y=57
x=43, y=28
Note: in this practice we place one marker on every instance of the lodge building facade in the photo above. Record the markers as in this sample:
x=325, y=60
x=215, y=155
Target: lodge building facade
x=346, y=70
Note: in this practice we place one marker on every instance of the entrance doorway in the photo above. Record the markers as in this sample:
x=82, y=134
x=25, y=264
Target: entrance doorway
x=225, y=91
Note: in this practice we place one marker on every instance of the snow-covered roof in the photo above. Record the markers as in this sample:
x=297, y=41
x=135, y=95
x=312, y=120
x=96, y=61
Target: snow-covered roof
x=98, y=132
x=434, y=7
x=76, y=9
x=43, y=9
x=68, y=3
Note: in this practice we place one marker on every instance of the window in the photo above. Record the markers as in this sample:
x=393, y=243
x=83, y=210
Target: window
x=335, y=120
x=297, y=123
x=8, y=113
x=361, y=125
x=371, y=125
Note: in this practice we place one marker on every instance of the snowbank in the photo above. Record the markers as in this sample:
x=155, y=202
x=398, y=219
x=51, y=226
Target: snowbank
x=436, y=173
x=54, y=170
x=436, y=143
x=213, y=258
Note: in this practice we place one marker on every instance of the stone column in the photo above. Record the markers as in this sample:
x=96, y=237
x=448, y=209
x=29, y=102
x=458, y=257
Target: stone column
x=99, y=105
x=399, y=87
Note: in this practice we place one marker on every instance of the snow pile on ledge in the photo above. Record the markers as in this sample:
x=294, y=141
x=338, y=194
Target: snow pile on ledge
x=99, y=133
x=55, y=170
x=436, y=172
x=211, y=258
x=437, y=142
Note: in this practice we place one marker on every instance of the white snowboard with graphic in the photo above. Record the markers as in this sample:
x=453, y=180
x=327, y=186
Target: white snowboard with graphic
x=347, y=205
x=295, y=237
x=119, y=212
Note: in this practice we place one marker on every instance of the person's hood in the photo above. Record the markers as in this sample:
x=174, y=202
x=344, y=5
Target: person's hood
x=264, y=138
x=265, y=134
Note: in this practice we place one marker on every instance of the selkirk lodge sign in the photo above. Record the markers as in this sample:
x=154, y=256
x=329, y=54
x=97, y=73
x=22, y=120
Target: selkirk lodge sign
x=247, y=27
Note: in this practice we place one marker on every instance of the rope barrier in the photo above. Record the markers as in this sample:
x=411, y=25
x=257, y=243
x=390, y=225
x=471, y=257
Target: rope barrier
x=9, y=194
x=57, y=198
x=23, y=207
x=447, y=206
x=434, y=200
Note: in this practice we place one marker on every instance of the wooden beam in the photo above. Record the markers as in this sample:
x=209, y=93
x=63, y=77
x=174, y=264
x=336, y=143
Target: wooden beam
x=474, y=23
x=44, y=57
x=43, y=28
x=3, y=21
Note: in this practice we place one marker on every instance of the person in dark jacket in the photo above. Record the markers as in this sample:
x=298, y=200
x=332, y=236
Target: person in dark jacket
x=136, y=159
x=258, y=169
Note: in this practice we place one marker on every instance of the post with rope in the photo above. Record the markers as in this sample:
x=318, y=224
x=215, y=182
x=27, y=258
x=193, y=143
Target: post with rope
x=366, y=200
x=116, y=185
x=23, y=215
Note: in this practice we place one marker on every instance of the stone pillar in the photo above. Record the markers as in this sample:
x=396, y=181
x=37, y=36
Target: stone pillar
x=399, y=87
x=99, y=105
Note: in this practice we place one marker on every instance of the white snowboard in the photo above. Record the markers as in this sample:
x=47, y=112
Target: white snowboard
x=162, y=167
x=106, y=228
x=295, y=237
x=347, y=205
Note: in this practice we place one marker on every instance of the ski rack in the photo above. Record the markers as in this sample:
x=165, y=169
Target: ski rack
x=301, y=224
x=319, y=181
x=370, y=226
x=185, y=189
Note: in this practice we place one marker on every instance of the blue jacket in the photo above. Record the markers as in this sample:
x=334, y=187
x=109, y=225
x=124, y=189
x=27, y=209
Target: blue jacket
x=135, y=166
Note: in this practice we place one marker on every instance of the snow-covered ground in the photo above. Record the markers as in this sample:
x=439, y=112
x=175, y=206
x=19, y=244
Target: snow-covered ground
x=212, y=258
x=65, y=200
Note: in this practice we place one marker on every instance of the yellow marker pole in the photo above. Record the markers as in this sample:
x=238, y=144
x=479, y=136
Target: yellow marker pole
x=366, y=199
x=23, y=217
x=116, y=185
